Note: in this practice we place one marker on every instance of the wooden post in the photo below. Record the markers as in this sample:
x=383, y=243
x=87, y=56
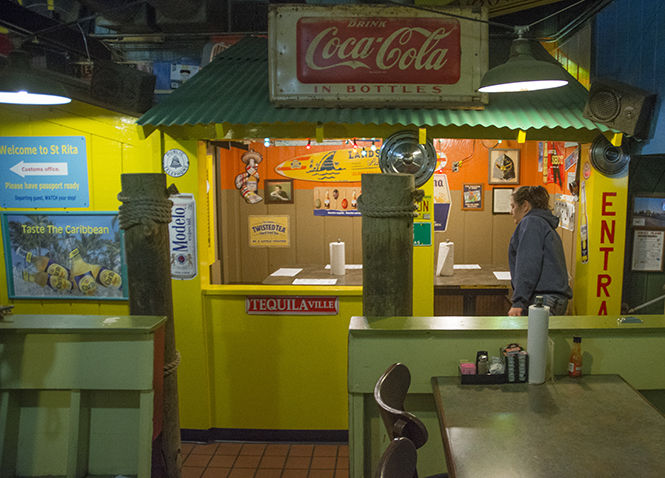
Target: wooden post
x=144, y=215
x=387, y=207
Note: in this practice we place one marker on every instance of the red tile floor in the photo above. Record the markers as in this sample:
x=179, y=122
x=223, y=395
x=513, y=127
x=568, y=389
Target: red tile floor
x=265, y=460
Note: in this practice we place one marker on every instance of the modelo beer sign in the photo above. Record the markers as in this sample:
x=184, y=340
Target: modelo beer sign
x=182, y=237
x=363, y=55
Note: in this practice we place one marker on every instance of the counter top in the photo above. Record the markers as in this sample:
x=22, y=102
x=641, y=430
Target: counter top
x=483, y=278
x=353, y=277
x=458, y=323
x=56, y=323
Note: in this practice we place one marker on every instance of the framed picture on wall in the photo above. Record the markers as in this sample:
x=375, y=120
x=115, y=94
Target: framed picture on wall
x=67, y=256
x=648, y=211
x=501, y=200
x=504, y=166
x=648, y=250
x=278, y=191
x=472, y=198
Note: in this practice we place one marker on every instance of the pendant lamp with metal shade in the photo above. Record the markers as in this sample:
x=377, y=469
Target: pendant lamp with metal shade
x=19, y=84
x=523, y=72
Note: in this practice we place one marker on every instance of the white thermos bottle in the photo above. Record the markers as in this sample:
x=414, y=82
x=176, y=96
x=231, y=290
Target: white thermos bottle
x=539, y=322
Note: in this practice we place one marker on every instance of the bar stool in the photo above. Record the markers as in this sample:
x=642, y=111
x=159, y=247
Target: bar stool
x=389, y=393
x=399, y=460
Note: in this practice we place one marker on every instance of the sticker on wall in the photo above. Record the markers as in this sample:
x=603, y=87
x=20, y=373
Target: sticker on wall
x=541, y=148
x=422, y=234
x=64, y=256
x=336, y=201
x=442, y=202
x=564, y=209
x=175, y=162
x=248, y=181
x=268, y=231
x=182, y=237
x=571, y=159
x=424, y=210
x=555, y=163
x=342, y=165
x=586, y=170
x=44, y=172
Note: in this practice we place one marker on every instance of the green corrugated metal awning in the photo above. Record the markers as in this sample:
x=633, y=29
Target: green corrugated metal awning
x=229, y=99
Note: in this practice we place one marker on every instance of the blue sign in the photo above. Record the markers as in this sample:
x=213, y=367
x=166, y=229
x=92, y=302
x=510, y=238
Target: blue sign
x=441, y=214
x=43, y=172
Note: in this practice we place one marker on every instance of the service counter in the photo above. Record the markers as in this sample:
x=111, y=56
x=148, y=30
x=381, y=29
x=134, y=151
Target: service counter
x=469, y=291
x=314, y=273
x=472, y=291
x=433, y=346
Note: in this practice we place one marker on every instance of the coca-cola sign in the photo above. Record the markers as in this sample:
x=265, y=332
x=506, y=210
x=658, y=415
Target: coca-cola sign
x=368, y=55
x=378, y=50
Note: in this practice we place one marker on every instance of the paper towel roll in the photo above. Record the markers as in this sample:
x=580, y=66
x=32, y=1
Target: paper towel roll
x=337, y=260
x=536, y=346
x=446, y=259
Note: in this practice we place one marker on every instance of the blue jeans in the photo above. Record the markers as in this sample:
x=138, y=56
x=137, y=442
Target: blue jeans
x=558, y=304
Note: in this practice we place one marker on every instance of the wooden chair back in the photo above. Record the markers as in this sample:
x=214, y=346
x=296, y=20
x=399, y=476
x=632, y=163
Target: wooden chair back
x=389, y=393
x=398, y=460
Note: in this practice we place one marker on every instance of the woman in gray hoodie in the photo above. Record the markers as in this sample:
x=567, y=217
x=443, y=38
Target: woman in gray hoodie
x=535, y=254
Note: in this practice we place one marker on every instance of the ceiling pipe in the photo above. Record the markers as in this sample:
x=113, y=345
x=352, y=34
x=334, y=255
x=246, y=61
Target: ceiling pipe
x=113, y=9
x=123, y=11
x=176, y=9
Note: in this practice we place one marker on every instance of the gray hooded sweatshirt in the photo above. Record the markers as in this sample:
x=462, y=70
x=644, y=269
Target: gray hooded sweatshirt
x=536, y=258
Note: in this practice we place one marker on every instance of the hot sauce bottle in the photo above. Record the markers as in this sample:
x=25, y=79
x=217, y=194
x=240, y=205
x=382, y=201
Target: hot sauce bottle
x=575, y=362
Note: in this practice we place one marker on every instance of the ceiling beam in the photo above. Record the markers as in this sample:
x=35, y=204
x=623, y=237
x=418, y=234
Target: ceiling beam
x=45, y=30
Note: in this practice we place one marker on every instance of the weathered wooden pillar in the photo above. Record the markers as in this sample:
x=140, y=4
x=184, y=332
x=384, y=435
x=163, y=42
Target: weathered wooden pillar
x=144, y=215
x=387, y=207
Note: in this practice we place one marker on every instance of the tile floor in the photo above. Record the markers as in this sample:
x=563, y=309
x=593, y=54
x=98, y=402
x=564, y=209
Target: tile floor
x=265, y=460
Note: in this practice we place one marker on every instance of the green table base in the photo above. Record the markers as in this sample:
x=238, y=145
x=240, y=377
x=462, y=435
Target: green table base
x=76, y=395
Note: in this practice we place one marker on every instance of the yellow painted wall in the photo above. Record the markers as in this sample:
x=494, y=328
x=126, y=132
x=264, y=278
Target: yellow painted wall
x=277, y=371
x=114, y=147
x=237, y=370
x=598, y=282
x=423, y=264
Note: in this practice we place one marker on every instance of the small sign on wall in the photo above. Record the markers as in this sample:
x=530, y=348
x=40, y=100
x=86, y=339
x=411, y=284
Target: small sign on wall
x=336, y=201
x=64, y=256
x=291, y=305
x=269, y=231
x=182, y=237
x=422, y=233
x=44, y=172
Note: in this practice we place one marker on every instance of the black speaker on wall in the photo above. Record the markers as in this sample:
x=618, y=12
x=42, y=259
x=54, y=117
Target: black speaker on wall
x=620, y=106
x=610, y=160
x=122, y=86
